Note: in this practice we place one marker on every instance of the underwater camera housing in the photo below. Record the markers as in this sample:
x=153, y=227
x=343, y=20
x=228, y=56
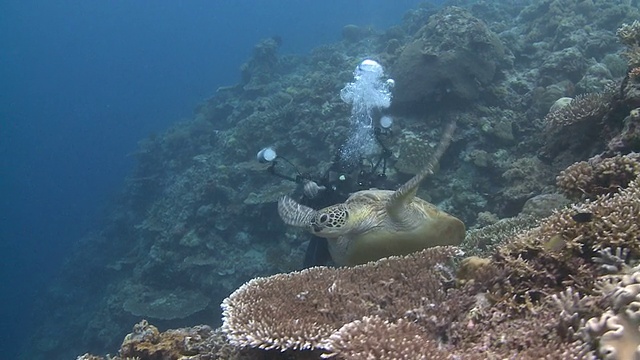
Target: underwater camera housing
x=268, y=155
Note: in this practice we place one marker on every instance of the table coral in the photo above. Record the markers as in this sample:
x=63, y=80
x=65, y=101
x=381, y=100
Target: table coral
x=301, y=310
x=403, y=339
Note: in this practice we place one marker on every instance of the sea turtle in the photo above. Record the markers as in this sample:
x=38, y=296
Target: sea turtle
x=372, y=224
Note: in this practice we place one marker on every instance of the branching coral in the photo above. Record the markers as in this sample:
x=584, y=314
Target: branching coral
x=599, y=175
x=559, y=253
x=577, y=124
x=483, y=241
x=344, y=311
x=395, y=308
x=613, y=261
x=585, y=108
x=573, y=308
x=616, y=333
x=629, y=35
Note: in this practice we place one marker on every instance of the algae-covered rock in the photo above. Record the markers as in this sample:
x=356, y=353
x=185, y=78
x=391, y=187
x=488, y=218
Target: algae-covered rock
x=452, y=58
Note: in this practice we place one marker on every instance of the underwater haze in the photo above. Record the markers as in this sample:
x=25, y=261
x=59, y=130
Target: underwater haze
x=84, y=81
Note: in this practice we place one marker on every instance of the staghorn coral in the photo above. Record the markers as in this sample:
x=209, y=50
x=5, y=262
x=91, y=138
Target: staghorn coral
x=597, y=176
x=613, y=261
x=573, y=307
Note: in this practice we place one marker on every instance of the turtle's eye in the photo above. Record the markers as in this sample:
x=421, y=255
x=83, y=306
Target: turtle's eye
x=324, y=218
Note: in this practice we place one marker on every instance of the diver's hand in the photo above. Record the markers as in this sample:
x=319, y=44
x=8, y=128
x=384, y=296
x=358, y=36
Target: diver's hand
x=312, y=189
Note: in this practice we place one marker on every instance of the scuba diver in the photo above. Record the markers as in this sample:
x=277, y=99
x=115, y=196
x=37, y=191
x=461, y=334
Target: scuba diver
x=344, y=177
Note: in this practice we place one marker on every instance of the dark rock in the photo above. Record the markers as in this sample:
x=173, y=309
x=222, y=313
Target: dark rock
x=452, y=58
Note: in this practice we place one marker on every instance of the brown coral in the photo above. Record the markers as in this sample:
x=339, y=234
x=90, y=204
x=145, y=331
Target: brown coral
x=402, y=340
x=597, y=176
x=352, y=313
x=147, y=342
x=322, y=300
x=629, y=34
x=583, y=109
x=559, y=252
x=577, y=125
x=414, y=153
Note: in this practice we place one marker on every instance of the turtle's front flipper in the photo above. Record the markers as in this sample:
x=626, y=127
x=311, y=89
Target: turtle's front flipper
x=295, y=214
x=406, y=192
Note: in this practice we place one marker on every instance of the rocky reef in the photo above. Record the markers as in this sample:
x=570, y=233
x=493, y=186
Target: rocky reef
x=568, y=288
x=539, y=90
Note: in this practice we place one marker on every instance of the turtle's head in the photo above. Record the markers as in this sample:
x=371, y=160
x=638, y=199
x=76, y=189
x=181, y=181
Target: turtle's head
x=330, y=222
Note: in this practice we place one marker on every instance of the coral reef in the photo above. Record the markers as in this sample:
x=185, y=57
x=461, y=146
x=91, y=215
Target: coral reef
x=529, y=300
x=197, y=217
x=515, y=284
x=403, y=339
x=413, y=153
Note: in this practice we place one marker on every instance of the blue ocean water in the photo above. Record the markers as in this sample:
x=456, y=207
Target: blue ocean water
x=83, y=81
